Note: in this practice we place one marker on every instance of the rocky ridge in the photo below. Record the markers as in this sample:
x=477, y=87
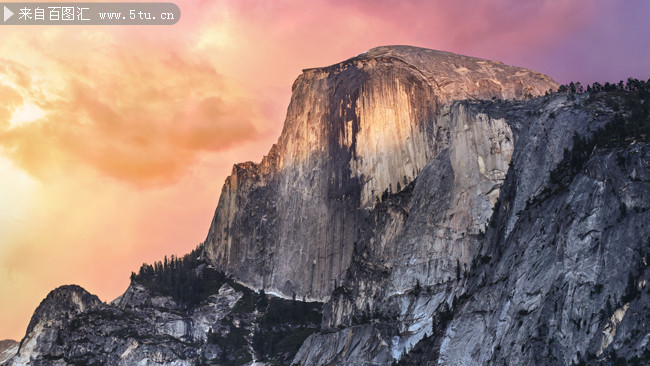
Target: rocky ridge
x=8, y=348
x=142, y=327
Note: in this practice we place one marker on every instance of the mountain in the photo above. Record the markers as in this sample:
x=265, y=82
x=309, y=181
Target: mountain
x=419, y=207
x=8, y=349
x=353, y=131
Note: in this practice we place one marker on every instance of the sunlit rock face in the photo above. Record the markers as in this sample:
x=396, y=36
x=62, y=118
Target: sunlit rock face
x=353, y=131
x=558, y=274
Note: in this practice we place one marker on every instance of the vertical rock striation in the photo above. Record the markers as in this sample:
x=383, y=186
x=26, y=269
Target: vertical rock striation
x=353, y=131
x=558, y=276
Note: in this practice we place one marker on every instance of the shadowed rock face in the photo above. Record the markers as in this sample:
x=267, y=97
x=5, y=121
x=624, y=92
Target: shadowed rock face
x=8, y=349
x=72, y=327
x=54, y=312
x=353, y=131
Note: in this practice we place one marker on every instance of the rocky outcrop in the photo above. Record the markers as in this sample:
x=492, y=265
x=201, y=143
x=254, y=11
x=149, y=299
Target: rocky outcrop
x=8, y=349
x=233, y=325
x=54, y=313
x=353, y=131
x=73, y=326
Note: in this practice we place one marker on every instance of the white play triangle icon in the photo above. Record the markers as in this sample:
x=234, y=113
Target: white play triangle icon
x=8, y=13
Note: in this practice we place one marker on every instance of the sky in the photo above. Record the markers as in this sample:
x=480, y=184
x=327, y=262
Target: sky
x=115, y=141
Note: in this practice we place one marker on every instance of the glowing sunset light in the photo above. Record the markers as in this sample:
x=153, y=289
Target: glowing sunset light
x=25, y=114
x=115, y=141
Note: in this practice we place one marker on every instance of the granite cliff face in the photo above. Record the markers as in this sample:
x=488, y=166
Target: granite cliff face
x=353, y=131
x=551, y=277
x=438, y=208
x=566, y=279
x=8, y=348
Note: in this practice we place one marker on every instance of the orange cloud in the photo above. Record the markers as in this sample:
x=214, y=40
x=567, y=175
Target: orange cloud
x=10, y=101
x=125, y=135
x=136, y=114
